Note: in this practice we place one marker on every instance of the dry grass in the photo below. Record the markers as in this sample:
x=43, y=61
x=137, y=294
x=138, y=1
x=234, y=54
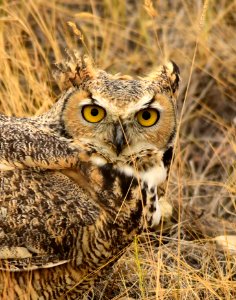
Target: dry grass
x=131, y=37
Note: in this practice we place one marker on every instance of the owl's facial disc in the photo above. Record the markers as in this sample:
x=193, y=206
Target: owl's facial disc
x=121, y=130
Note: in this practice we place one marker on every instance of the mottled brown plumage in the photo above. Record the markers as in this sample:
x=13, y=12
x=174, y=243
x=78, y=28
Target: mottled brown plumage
x=75, y=192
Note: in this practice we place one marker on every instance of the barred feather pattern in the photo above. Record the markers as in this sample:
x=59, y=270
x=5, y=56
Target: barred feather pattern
x=73, y=194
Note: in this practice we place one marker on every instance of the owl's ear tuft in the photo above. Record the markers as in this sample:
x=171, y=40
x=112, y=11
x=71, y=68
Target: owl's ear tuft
x=173, y=74
x=75, y=70
x=167, y=77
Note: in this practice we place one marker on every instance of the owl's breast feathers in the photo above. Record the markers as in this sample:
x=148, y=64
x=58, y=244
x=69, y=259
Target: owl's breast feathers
x=47, y=219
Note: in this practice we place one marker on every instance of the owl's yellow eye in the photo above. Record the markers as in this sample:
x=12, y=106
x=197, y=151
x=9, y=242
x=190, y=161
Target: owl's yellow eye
x=93, y=113
x=148, y=117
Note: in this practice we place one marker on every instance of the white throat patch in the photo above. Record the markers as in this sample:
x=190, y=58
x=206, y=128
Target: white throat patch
x=154, y=176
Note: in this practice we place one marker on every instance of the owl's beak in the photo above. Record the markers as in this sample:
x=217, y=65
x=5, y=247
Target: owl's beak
x=118, y=137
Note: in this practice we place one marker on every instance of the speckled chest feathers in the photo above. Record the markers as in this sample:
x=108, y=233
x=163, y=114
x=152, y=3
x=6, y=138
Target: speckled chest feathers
x=81, y=180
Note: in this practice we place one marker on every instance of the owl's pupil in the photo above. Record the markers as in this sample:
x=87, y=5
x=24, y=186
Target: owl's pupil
x=146, y=115
x=94, y=112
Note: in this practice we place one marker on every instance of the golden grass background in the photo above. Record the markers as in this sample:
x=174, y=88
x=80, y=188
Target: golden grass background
x=182, y=261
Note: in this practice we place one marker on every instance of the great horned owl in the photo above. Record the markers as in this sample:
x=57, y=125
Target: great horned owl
x=78, y=182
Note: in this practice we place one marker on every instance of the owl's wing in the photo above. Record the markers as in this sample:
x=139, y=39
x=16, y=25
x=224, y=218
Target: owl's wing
x=18, y=259
x=25, y=145
x=42, y=218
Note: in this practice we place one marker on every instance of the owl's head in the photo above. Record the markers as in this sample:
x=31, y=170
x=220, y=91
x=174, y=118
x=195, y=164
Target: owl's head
x=121, y=118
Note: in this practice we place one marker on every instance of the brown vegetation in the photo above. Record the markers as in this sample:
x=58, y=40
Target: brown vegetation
x=185, y=260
